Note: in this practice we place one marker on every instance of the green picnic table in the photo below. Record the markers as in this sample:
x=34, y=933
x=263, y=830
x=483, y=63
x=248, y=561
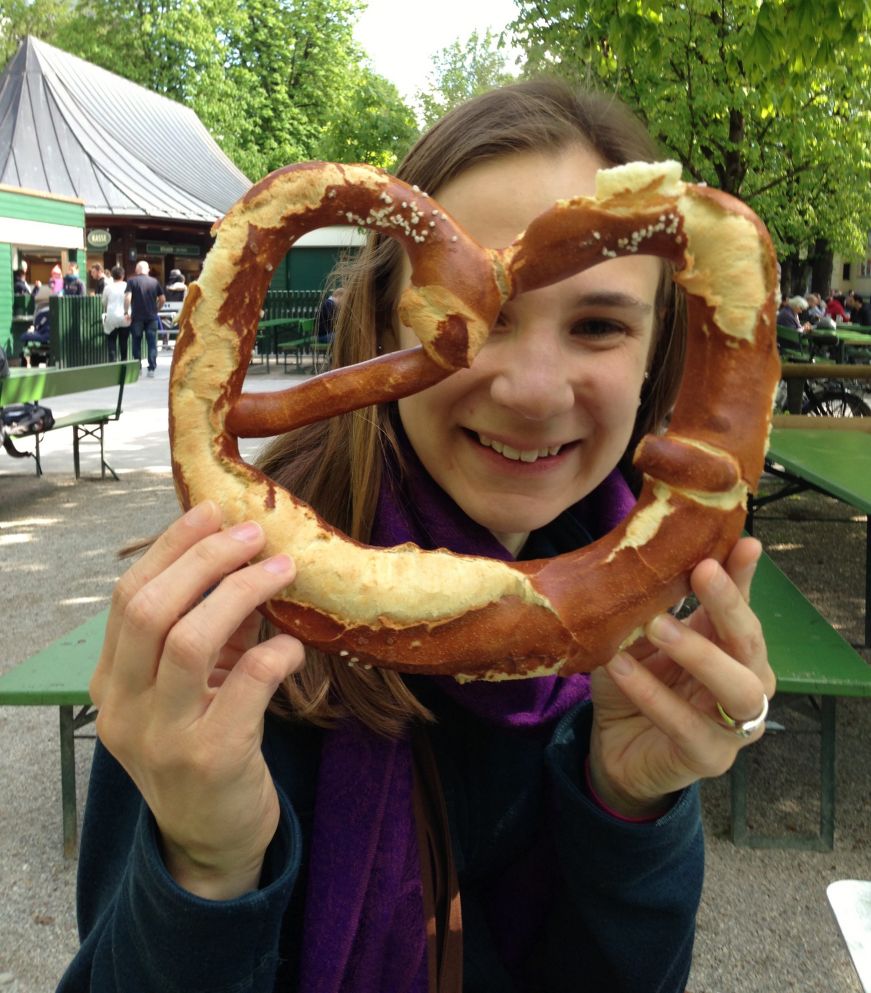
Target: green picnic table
x=849, y=340
x=837, y=463
x=58, y=676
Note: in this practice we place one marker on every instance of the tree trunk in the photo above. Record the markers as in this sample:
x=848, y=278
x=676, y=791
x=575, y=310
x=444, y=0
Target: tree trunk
x=822, y=263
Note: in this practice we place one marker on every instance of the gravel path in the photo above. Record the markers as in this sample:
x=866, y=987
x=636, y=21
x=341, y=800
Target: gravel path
x=764, y=926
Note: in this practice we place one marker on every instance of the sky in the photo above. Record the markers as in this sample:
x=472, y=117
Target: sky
x=401, y=36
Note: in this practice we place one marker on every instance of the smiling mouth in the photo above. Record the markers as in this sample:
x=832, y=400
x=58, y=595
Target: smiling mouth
x=518, y=455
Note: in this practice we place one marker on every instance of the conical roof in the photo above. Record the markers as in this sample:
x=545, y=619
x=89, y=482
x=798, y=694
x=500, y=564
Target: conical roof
x=69, y=127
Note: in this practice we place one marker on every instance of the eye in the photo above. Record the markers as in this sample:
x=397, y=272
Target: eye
x=599, y=328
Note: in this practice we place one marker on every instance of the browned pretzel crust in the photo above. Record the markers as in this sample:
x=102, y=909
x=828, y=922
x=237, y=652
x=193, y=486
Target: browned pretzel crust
x=436, y=611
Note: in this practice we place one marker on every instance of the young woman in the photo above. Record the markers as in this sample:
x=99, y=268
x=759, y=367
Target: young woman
x=264, y=818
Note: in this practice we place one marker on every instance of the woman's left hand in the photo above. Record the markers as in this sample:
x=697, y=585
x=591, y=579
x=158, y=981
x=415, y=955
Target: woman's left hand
x=656, y=727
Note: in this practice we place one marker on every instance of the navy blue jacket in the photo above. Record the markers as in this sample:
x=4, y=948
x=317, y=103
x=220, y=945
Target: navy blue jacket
x=623, y=919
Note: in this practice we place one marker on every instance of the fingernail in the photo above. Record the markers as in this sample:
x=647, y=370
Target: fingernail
x=622, y=664
x=278, y=564
x=201, y=514
x=664, y=628
x=245, y=532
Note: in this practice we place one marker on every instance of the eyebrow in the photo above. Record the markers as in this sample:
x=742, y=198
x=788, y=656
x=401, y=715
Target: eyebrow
x=615, y=299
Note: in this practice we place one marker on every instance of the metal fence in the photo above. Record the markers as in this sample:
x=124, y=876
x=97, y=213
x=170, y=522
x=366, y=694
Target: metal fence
x=300, y=304
x=77, y=336
x=77, y=331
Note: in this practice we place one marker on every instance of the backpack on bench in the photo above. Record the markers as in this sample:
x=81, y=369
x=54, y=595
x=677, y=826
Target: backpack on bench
x=20, y=419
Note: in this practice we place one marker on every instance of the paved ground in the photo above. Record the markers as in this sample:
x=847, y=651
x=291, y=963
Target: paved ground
x=764, y=926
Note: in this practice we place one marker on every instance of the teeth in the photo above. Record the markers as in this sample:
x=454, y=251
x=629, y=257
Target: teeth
x=506, y=451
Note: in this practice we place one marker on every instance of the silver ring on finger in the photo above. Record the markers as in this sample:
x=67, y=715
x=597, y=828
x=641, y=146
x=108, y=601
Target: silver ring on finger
x=744, y=729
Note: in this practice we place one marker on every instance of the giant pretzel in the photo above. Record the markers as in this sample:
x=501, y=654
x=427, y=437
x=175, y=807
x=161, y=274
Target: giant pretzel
x=436, y=611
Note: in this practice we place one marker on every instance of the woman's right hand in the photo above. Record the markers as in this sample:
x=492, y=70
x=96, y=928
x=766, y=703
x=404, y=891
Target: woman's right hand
x=182, y=686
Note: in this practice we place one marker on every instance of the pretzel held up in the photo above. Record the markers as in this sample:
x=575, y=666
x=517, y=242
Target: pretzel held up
x=436, y=611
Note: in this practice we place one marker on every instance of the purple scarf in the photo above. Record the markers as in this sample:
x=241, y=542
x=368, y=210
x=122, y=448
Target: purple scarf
x=364, y=928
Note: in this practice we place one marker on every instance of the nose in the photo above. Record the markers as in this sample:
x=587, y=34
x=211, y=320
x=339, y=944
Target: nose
x=532, y=376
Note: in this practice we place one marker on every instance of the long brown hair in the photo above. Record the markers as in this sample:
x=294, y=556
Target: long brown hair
x=336, y=465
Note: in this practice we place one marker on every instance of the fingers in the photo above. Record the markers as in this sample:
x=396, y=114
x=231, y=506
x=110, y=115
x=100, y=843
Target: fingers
x=167, y=636
x=724, y=656
x=731, y=682
x=724, y=593
x=193, y=644
x=251, y=683
x=698, y=745
x=153, y=611
x=179, y=537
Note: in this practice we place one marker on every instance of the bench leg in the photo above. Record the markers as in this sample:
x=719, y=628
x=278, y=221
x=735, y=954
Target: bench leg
x=825, y=840
x=827, y=774
x=37, y=458
x=70, y=723
x=868, y=581
x=82, y=431
x=76, y=463
x=68, y=781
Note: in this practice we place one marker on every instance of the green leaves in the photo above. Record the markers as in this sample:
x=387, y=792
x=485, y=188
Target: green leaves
x=460, y=71
x=767, y=99
x=275, y=81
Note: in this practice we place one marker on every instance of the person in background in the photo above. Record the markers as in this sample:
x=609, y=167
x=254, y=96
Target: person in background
x=116, y=321
x=56, y=280
x=73, y=285
x=815, y=309
x=176, y=291
x=143, y=299
x=860, y=309
x=19, y=284
x=36, y=340
x=788, y=315
x=100, y=278
x=325, y=324
x=835, y=307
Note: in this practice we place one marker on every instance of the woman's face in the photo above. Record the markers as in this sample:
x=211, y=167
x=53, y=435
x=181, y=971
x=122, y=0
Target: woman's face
x=547, y=409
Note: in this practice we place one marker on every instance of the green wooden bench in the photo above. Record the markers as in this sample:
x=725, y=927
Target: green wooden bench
x=38, y=385
x=58, y=676
x=809, y=658
x=305, y=345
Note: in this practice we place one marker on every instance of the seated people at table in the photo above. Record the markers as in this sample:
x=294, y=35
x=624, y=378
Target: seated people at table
x=325, y=322
x=787, y=316
x=835, y=307
x=815, y=309
x=860, y=310
x=35, y=341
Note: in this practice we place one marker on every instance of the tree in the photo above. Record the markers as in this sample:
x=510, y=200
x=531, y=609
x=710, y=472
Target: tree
x=274, y=81
x=369, y=124
x=769, y=100
x=20, y=18
x=461, y=71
